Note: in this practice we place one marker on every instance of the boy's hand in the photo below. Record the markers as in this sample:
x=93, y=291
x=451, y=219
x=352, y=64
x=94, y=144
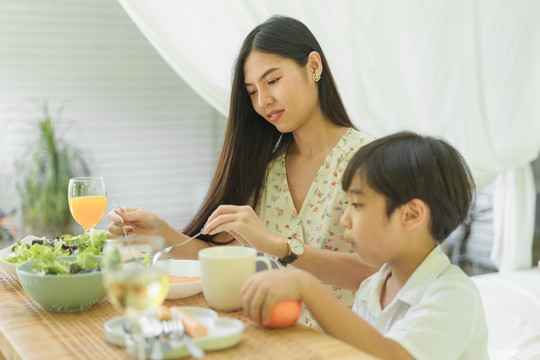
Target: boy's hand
x=261, y=291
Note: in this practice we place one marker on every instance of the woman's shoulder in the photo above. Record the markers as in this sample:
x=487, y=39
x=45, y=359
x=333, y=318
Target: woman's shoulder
x=357, y=137
x=352, y=140
x=277, y=162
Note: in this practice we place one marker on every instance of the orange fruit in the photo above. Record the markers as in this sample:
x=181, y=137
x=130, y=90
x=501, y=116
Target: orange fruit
x=285, y=313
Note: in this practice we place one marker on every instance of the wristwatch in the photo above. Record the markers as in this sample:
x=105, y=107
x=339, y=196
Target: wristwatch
x=296, y=248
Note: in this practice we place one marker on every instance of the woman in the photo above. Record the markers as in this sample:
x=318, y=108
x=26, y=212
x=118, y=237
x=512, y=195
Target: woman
x=278, y=181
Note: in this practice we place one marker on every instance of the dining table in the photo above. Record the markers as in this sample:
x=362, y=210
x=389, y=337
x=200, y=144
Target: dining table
x=28, y=331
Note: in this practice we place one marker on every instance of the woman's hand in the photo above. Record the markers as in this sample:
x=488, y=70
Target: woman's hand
x=261, y=291
x=134, y=220
x=246, y=227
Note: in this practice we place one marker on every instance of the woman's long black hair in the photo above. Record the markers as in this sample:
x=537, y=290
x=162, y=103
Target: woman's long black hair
x=251, y=141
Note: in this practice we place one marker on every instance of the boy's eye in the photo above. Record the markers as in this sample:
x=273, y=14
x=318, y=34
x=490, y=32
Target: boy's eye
x=354, y=205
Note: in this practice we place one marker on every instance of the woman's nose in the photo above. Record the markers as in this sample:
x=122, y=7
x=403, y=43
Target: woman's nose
x=264, y=99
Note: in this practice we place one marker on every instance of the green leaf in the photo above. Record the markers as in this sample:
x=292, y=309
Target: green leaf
x=45, y=165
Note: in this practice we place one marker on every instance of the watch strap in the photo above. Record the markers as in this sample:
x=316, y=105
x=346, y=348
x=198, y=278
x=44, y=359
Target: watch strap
x=290, y=257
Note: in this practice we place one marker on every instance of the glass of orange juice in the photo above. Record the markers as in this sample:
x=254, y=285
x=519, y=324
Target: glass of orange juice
x=87, y=200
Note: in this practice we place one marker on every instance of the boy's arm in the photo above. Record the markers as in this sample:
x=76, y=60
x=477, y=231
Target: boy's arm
x=264, y=289
x=340, y=321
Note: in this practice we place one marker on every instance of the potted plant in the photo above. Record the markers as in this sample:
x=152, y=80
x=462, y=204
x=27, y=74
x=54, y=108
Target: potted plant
x=43, y=173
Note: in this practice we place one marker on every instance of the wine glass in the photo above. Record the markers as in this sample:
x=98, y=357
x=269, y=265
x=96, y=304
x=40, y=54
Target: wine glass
x=135, y=284
x=87, y=200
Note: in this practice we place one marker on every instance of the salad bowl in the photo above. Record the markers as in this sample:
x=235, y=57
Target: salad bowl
x=61, y=293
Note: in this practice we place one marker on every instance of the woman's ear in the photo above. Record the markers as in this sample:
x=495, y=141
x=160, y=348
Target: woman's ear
x=414, y=213
x=314, y=63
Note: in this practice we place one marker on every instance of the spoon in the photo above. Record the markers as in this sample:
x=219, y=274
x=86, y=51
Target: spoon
x=168, y=248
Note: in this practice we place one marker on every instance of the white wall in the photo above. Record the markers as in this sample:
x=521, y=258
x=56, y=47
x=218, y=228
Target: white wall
x=140, y=126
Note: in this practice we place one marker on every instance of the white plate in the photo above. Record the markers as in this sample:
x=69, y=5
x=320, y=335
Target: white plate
x=7, y=266
x=222, y=332
x=184, y=268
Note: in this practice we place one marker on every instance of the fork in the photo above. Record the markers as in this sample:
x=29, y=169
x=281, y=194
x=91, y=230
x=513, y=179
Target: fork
x=125, y=234
x=176, y=327
x=169, y=248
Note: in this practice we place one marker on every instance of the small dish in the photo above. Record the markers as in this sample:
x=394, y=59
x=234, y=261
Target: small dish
x=8, y=267
x=222, y=332
x=189, y=268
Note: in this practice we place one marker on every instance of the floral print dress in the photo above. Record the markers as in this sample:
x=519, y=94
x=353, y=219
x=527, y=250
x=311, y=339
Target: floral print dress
x=317, y=222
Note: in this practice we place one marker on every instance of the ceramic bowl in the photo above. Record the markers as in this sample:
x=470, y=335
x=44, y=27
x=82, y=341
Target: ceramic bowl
x=62, y=293
x=188, y=268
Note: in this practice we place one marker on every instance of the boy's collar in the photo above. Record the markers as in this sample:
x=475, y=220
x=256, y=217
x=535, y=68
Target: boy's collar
x=432, y=266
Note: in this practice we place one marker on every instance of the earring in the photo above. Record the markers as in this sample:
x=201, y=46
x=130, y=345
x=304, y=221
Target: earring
x=316, y=77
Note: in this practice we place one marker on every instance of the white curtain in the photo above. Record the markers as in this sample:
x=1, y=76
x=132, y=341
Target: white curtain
x=513, y=188
x=464, y=70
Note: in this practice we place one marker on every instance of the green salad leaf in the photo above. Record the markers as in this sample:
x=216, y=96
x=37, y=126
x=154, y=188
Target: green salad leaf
x=87, y=261
x=50, y=264
x=45, y=253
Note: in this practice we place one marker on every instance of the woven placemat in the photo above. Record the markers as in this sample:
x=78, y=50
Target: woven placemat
x=28, y=331
x=33, y=331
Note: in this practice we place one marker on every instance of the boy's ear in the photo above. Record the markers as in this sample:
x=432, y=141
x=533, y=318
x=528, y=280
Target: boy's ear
x=414, y=213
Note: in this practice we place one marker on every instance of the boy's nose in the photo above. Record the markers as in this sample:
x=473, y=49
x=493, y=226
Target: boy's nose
x=344, y=220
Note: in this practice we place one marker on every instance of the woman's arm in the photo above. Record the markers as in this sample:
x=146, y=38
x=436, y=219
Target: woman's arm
x=328, y=266
x=139, y=221
x=188, y=251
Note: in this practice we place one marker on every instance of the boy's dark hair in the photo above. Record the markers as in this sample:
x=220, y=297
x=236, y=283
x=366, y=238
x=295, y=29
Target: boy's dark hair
x=405, y=166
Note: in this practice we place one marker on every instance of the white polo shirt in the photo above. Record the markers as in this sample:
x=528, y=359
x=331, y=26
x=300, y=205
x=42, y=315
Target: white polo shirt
x=438, y=314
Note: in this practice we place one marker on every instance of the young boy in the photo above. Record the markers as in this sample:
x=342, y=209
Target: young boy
x=406, y=193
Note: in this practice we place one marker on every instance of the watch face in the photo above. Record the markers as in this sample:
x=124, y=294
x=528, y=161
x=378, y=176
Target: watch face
x=297, y=247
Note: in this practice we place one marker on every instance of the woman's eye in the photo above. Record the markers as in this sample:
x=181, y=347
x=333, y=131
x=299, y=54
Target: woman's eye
x=252, y=92
x=272, y=82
